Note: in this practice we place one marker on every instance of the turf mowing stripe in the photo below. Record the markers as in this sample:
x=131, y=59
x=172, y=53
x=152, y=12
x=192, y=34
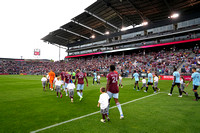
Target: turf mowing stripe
x=88, y=114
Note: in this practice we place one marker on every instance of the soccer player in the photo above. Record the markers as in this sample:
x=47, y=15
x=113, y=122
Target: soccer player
x=156, y=82
x=62, y=75
x=176, y=81
x=58, y=84
x=51, y=78
x=71, y=88
x=44, y=80
x=98, y=79
x=73, y=76
x=143, y=82
x=183, y=85
x=80, y=86
x=150, y=81
x=113, y=90
x=103, y=102
x=136, y=77
x=95, y=77
x=67, y=78
x=196, y=82
x=120, y=81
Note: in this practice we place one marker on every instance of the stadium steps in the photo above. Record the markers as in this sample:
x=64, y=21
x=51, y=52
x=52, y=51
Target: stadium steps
x=184, y=63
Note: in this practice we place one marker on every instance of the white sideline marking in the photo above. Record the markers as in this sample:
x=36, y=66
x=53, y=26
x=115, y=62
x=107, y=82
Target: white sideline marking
x=88, y=115
x=176, y=94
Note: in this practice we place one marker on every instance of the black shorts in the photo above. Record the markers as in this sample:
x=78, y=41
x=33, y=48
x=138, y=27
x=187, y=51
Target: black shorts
x=195, y=87
x=73, y=77
x=149, y=83
x=178, y=84
x=136, y=82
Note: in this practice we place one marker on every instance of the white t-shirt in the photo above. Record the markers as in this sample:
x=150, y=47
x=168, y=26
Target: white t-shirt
x=44, y=79
x=58, y=83
x=71, y=86
x=144, y=81
x=182, y=81
x=98, y=77
x=120, y=78
x=103, y=100
x=48, y=76
x=55, y=79
x=156, y=79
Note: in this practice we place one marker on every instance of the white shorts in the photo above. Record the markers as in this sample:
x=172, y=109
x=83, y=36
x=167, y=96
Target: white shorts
x=114, y=95
x=80, y=87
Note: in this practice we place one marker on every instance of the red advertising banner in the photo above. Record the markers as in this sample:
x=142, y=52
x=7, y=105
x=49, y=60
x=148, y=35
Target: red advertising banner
x=170, y=77
x=4, y=73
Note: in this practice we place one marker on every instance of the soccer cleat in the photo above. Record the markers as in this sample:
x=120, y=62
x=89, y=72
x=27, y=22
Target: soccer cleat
x=56, y=96
x=138, y=90
x=158, y=89
x=145, y=91
x=121, y=116
x=108, y=119
x=169, y=94
x=180, y=96
x=102, y=120
x=195, y=100
x=81, y=98
x=154, y=91
x=134, y=88
x=72, y=100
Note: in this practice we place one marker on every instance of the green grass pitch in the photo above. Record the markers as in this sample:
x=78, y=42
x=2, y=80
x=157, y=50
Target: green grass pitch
x=24, y=107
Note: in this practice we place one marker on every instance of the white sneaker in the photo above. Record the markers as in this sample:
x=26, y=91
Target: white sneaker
x=180, y=96
x=169, y=94
x=145, y=91
x=66, y=95
x=103, y=121
x=121, y=116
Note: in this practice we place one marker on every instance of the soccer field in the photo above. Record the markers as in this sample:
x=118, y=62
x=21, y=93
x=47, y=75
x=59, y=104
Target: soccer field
x=24, y=107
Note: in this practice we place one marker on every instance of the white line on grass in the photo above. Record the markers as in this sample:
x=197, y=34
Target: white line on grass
x=88, y=114
x=175, y=93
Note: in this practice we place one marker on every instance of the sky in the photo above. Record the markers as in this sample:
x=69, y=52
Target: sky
x=24, y=22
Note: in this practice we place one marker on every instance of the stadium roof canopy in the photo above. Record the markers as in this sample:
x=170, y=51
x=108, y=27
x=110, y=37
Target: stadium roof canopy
x=111, y=15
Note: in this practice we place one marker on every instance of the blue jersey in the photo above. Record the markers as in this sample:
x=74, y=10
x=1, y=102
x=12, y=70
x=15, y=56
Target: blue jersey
x=95, y=75
x=136, y=76
x=150, y=78
x=177, y=75
x=196, y=78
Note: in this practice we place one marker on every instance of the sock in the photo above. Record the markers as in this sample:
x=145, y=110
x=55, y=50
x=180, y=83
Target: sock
x=180, y=92
x=79, y=94
x=63, y=87
x=141, y=88
x=134, y=87
x=171, y=90
x=146, y=88
x=196, y=95
x=153, y=88
x=119, y=108
x=138, y=88
x=66, y=91
x=103, y=115
x=57, y=93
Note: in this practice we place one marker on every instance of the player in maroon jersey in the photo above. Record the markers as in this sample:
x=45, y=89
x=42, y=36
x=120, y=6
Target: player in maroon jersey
x=67, y=78
x=62, y=75
x=112, y=88
x=80, y=77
